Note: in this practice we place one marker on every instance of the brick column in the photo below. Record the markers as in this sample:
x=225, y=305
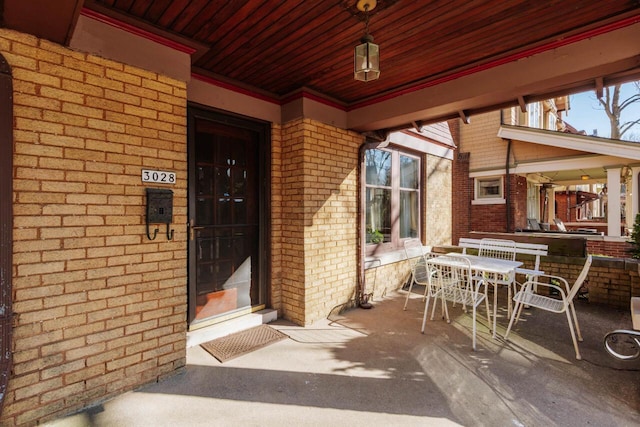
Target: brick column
x=319, y=219
x=462, y=188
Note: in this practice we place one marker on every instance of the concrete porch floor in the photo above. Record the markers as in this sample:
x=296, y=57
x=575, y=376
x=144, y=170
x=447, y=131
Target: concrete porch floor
x=374, y=367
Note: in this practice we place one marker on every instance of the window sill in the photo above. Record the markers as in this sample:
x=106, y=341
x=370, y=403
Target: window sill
x=386, y=258
x=488, y=202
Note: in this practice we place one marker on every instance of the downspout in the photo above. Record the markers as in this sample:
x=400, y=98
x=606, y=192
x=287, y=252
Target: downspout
x=508, y=189
x=362, y=298
x=507, y=179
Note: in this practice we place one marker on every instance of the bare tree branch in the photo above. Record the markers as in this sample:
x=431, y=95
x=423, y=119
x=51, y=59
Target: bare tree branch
x=628, y=125
x=631, y=100
x=613, y=108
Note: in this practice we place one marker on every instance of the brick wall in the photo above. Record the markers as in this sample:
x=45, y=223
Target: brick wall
x=381, y=280
x=331, y=217
x=319, y=210
x=489, y=218
x=518, y=200
x=438, y=205
x=292, y=213
x=462, y=194
x=99, y=309
x=609, y=248
x=563, y=206
x=277, y=220
x=611, y=281
x=493, y=218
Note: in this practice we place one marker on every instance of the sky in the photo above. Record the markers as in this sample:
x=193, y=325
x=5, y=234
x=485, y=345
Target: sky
x=585, y=113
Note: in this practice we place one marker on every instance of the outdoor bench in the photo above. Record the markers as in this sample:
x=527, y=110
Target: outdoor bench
x=534, y=249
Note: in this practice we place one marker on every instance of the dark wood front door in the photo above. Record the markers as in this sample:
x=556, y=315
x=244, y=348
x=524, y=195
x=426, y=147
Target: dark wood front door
x=226, y=247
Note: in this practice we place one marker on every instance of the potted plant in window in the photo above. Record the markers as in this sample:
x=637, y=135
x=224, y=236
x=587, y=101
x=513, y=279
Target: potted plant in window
x=374, y=236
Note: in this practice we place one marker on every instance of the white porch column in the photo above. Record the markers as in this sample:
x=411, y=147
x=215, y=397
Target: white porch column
x=552, y=204
x=634, y=198
x=613, y=202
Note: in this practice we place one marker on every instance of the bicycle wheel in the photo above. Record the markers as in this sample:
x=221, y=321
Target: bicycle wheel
x=623, y=344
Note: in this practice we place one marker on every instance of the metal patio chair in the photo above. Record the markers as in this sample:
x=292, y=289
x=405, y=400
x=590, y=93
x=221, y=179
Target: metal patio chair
x=529, y=297
x=417, y=257
x=451, y=279
x=501, y=249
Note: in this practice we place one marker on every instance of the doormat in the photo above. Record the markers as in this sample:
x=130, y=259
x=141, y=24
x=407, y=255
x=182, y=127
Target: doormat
x=243, y=342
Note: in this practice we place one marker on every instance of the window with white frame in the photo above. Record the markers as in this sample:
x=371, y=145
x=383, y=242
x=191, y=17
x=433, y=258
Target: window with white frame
x=552, y=121
x=488, y=190
x=392, y=198
x=534, y=114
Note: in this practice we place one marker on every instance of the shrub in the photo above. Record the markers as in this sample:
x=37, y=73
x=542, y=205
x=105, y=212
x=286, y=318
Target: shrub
x=635, y=239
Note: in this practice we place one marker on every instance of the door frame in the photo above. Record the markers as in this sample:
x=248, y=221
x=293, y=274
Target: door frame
x=263, y=130
x=6, y=224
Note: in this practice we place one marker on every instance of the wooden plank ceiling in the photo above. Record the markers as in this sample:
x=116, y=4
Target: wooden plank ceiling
x=277, y=47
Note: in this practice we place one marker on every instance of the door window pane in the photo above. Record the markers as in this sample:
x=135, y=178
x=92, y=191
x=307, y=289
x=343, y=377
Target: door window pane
x=204, y=183
x=240, y=206
x=204, y=146
x=223, y=178
x=239, y=182
x=204, y=209
x=223, y=211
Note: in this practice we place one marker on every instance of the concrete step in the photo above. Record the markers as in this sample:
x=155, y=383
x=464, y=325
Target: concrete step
x=199, y=336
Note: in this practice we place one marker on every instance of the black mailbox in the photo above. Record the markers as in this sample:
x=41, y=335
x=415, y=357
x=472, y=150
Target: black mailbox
x=159, y=209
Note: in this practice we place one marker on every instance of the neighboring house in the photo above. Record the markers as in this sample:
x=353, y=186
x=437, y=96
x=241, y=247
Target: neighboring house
x=523, y=168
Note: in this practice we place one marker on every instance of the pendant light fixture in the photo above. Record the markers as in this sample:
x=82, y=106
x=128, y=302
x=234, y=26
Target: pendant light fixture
x=366, y=65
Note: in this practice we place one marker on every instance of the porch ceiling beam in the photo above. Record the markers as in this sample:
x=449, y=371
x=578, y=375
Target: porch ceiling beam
x=599, y=87
x=522, y=103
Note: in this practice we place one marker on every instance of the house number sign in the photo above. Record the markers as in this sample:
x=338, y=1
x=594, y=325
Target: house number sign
x=162, y=177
